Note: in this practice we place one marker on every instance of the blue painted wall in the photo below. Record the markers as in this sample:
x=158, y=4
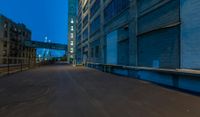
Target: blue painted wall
x=190, y=34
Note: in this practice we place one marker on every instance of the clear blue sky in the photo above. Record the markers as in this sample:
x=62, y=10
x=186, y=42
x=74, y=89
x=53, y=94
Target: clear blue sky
x=42, y=17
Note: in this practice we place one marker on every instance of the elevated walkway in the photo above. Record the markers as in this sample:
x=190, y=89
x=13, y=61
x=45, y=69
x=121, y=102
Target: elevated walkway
x=46, y=45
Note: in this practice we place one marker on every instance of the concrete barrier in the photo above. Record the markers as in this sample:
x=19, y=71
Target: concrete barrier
x=185, y=79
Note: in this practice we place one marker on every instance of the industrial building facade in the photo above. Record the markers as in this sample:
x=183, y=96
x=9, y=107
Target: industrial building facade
x=12, y=50
x=145, y=33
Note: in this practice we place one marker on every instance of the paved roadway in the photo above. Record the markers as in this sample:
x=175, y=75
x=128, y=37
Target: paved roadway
x=65, y=91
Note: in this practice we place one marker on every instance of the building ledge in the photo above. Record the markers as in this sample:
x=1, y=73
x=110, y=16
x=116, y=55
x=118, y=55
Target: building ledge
x=187, y=72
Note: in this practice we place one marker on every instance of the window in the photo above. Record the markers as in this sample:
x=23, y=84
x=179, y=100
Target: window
x=71, y=43
x=71, y=50
x=4, y=52
x=72, y=28
x=85, y=21
x=5, y=34
x=85, y=34
x=5, y=44
x=23, y=33
x=97, y=52
x=5, y=26
x=79, y=27
x=72, y=21
x=95, y=48
x=79, y=37
x=114, y=8
x=95, y=7
x=72, y=35
x=92, y=52
x=95, y=25
x=79, y=17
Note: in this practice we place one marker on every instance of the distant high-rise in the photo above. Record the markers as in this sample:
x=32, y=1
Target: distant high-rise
x=72, y=12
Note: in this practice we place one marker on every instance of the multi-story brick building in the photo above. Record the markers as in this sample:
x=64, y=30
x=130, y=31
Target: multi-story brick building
x=12, y=49
x=150, y=33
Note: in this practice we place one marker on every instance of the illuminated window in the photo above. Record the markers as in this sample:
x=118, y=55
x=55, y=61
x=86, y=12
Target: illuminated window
x=72, y=28
x=71, y=43
x=71, y=50
x=5, y=25
x=72, y=35
x=72, y=21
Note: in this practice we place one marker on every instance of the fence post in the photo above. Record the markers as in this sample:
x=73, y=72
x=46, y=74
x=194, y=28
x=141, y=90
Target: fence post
x=29, y=62
x=21, y=65
x=109, y=69
x=8, y=65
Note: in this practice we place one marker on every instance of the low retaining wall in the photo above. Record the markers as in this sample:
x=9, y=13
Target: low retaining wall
x=178, y=78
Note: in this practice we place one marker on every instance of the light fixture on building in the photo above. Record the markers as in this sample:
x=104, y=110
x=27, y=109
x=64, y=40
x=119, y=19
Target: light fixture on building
x=72, y=21
x=72, y=43
x=72, y=28
x=71, y=50
x=72, y=35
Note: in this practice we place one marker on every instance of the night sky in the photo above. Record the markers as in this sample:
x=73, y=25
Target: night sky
x=42, y=17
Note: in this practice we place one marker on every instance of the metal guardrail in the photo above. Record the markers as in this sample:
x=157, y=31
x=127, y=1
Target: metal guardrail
x=110, y=67
x=9, y=65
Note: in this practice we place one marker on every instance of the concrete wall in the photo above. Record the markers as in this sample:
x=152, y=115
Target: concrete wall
x=111, y=48
x=177, y=80
x=190, y=34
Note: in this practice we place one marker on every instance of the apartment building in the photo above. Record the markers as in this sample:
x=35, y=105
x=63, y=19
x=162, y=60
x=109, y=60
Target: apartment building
x=12, y=49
